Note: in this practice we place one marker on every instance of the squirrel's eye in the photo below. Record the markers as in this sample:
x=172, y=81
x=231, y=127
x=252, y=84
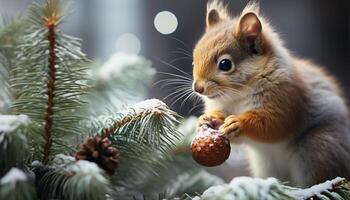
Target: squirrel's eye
x=225, y=64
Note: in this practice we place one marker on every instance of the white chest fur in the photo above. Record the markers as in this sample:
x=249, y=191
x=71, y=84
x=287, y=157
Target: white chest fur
x=270, y=160
x=229, y=108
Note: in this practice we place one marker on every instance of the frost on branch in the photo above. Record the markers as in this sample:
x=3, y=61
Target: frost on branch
x=9, y=123
x=332, y=189
x=148, y=105
x=271, y=189
x=121, y=63
x=15, y=185
x=121, y=81
x=246, y=188
x=12, y=141
x=70, y=180
x=13, y=176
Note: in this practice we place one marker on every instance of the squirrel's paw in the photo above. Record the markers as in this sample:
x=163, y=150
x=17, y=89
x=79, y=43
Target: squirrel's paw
x=210, y=120
x=232, y=126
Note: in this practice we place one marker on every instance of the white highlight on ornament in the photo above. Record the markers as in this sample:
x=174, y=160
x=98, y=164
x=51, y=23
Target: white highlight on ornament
x=165, y=22
x=128, y=43
x=13, y=176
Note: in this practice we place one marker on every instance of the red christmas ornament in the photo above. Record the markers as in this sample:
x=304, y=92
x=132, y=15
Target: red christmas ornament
x=210, y=147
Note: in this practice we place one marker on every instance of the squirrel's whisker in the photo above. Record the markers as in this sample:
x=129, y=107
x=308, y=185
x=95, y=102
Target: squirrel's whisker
x=175, y=75
x=180, y=97
x=180, y=58
x=181, y=42
x=176, y=68
x=177, y=92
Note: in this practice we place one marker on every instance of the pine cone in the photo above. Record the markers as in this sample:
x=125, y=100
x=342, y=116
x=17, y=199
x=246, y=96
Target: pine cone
x=99, y=151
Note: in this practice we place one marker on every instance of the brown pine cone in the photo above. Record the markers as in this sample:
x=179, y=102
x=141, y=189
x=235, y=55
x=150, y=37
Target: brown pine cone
x=99, y=151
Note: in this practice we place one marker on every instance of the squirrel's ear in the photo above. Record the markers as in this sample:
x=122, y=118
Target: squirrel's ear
x=216, y=12
x=249, y=28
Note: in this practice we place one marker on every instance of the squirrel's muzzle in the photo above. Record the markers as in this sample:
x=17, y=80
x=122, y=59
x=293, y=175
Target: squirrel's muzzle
x=198, y=87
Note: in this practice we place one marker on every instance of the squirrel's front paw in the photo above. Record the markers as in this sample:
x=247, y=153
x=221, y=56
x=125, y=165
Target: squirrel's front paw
x=232, y=126
x=210, y=120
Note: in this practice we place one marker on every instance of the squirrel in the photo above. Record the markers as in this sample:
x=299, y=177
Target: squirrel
x=288, y=113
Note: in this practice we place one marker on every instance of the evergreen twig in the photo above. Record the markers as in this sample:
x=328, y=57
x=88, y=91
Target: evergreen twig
x=49, y=74
x=70, y=180
x=50, y=23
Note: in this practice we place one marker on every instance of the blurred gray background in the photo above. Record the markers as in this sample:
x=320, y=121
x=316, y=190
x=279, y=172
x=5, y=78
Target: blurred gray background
x=313, y=29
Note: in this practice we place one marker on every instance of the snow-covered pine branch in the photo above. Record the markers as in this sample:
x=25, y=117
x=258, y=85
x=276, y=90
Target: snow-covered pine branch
x=121, y=81
x=70, y=180
x=49, y=76
x=10, y=34
x=149, y=123
x=15, y=185
x=271, y=189
x=13, y=142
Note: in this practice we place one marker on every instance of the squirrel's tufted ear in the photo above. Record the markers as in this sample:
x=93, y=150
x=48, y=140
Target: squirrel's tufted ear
x=216, y=12
x=249, y=26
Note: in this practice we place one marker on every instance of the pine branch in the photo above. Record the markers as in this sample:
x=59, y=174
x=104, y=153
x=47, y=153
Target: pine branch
x=13, y=143
x=49, y=77
x=166, y=175
x=15, y=185
x=121, y=81
x=255, y=188
x=338, y=188
x=10, y=33
x=67, y=179
x=150, y=122
x=50, y=23
x=138, y=133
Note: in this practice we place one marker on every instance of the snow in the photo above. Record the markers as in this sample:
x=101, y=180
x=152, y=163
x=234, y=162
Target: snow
x=242, y=188
x=62, y=160
x=119, y=62
x=260, y=187
x=13, y=176
x=150, y=104
x=314, y=190
x=9, y=123
x=88, y=170
x=85, y=167
x=205, y=131
x=36, y=163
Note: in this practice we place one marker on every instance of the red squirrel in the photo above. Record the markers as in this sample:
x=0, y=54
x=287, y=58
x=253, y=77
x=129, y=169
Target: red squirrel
x=288, y=113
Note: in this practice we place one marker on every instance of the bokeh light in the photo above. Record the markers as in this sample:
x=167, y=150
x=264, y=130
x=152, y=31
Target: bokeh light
x=128, y=43
x=165, y=22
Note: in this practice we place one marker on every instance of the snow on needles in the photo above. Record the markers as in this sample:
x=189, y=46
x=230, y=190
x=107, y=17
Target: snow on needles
x=316, y=189
x=9, y=123
x=150, y=104
x=88, y=170
x=13, y=176
x=85, y=167
x=242, y=188
x=120, y=62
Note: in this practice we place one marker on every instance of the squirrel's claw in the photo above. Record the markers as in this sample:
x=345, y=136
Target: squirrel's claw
x=211, y=121
x=231, y=127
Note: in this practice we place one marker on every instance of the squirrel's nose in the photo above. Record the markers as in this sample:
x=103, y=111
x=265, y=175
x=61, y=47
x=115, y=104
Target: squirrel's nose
x=198, y=88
